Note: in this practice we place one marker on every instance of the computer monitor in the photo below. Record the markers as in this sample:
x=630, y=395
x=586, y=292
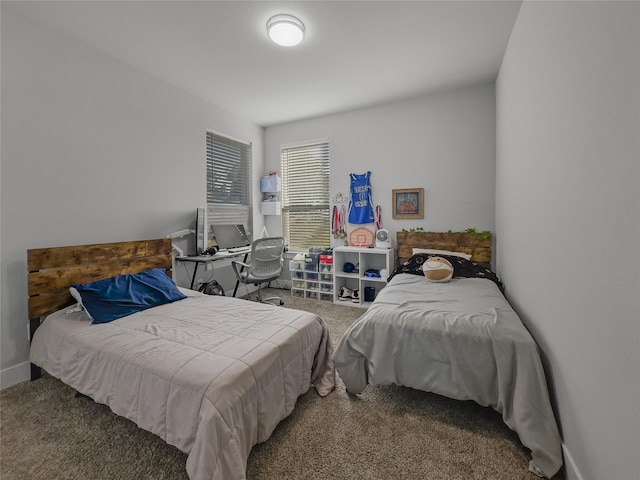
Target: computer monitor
x=201, y=230
x=230, y=236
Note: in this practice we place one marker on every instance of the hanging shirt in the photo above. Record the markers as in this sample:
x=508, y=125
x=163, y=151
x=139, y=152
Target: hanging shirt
x=360, y=203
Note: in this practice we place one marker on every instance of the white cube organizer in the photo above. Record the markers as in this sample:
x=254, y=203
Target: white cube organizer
x=364, y=259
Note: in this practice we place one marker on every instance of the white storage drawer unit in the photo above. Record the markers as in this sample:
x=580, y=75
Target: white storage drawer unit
x=310, y=280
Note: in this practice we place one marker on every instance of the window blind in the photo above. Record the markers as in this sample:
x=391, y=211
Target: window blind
x=305, y=195
x=228, y=181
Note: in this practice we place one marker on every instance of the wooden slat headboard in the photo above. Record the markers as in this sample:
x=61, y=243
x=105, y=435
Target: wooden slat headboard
x=478, y=248
x=53, y=270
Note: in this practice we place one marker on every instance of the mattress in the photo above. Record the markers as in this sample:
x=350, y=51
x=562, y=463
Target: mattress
x=460, y=339
x=211, y=375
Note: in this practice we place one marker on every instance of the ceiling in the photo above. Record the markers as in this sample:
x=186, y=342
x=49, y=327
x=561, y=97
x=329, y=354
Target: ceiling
x=355, y=53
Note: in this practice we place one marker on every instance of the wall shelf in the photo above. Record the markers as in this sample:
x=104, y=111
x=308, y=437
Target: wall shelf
x=270, y=185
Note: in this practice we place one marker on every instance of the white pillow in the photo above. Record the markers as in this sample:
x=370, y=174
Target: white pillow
x=76, y=295
x=466, y=256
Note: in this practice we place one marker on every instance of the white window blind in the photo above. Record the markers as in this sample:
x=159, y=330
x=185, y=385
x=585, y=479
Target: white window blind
x=228, y=181
x=305, y=195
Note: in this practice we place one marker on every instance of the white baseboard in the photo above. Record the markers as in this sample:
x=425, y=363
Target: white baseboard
x=571, y=469
x=16, y=374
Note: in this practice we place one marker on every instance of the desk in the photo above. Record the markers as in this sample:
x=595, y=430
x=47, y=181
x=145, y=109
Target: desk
x=199, y=259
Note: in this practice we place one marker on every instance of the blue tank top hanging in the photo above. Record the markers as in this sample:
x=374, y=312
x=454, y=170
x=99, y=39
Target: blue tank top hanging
x=360, y=203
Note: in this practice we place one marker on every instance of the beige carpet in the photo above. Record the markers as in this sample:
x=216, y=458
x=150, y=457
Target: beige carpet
x=385, y=433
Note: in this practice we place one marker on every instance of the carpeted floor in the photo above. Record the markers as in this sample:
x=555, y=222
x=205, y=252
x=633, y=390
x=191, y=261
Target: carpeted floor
x=385, y=433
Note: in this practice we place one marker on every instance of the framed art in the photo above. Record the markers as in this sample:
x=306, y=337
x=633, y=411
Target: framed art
x=408, y=203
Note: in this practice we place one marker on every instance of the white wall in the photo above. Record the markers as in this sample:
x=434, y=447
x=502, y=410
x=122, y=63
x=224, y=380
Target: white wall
x=93, y=151
x=443, y=143
x=568, y=217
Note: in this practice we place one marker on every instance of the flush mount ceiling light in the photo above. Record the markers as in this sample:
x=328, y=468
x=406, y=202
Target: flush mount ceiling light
x=285, y=30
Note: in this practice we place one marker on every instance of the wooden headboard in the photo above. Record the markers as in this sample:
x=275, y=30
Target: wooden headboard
x=53, y=270
x=478, y=248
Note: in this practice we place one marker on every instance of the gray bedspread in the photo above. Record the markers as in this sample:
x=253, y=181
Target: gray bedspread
x=210, y=375
x=459, y=339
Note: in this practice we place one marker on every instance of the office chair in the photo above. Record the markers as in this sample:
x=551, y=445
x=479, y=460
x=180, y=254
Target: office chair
x=265, y=264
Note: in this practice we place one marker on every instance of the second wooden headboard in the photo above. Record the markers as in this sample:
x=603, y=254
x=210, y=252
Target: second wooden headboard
x=479, y=248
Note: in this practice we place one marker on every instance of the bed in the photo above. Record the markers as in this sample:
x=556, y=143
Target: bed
x=457, y=338
x=211, y=375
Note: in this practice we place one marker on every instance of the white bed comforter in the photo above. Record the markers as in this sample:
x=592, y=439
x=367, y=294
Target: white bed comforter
x=210, y=375
x=462, y=340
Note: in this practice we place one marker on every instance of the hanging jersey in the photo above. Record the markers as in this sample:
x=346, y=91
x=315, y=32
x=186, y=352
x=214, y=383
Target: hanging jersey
x=360, y=204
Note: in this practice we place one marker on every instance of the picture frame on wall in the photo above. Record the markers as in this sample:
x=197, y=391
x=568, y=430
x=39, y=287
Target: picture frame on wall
x=408, y=203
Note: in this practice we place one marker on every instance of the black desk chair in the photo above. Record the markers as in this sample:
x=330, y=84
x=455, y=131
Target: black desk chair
x=265, y=264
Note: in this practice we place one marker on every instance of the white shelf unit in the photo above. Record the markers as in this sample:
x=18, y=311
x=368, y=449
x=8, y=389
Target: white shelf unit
x=365, y=259
x=270, y=186
x=308, y=282
x=271, y=208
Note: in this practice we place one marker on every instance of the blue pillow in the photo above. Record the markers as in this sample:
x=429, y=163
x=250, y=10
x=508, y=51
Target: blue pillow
x=116, y=297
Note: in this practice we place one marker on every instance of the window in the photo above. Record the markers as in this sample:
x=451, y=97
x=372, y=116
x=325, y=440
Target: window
x=305, y=194
x=228, y=181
